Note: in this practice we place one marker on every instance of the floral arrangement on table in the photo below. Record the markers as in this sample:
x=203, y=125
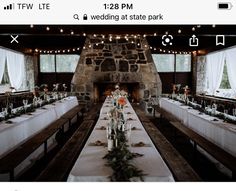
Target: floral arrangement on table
x=55, y=87
x=41, y=97
x=119, y=158
x=119, y=97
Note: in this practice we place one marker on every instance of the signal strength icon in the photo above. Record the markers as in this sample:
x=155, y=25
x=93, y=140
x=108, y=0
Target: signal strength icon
x=9, y=7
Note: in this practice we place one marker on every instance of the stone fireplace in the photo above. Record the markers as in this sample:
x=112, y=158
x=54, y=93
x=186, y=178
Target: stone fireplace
x=107, y=60
x=102, y=90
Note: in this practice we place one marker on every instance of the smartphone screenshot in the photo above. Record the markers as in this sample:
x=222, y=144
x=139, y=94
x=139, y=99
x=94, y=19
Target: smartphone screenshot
x=117, y=91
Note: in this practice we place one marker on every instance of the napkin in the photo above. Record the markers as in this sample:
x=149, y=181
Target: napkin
x=97, y=143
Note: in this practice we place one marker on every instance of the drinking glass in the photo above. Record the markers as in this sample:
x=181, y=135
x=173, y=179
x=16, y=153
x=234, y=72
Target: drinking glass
x=129, y=129
x=4, y=112
x=225, y=113
x=25, y=103
x=234, y=112
x=11, y=107
x=40, y=101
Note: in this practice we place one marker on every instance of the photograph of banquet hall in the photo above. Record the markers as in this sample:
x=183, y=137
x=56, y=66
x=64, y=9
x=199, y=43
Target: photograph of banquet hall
x=92, y=103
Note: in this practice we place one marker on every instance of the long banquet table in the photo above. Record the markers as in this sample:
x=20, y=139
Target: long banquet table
x=90, y=165
x=25, y=126
x=216, y=130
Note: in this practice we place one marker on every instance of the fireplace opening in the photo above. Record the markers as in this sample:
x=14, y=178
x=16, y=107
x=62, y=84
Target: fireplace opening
x=102, y=90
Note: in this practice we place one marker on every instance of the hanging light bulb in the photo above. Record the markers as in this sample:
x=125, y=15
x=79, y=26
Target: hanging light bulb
x=48, y=28
x=179, y=31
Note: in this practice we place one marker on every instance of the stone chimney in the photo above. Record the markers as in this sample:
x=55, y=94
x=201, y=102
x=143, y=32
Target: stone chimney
x=116, y=59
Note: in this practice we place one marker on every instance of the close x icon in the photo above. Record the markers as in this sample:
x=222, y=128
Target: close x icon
x=14, y=39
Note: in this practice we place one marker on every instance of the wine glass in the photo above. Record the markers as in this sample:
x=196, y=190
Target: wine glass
x=4, y=112
x=225, y=113
x=25, y=103
x=234, y=112
x=11, y=107
x=129, y=129
x=40, y=101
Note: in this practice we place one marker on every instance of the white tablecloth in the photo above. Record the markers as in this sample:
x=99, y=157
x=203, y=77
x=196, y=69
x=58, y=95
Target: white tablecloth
x=221, y=133
x=27, y=125
x=90, y=166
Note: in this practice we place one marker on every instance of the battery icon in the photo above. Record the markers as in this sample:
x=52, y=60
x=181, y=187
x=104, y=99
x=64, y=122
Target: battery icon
x=225, y=6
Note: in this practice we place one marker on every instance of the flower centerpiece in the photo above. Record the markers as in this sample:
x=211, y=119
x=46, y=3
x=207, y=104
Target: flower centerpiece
x=121, y=102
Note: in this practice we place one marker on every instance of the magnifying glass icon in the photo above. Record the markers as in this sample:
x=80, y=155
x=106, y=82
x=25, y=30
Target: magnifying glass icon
x=76, y=16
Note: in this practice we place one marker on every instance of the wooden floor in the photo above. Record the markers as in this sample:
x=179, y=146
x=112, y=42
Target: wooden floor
x=36, y=172
x=206, y=169
x=179, y=167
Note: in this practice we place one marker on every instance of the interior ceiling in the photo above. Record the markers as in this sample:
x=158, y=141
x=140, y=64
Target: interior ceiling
x=53, y=37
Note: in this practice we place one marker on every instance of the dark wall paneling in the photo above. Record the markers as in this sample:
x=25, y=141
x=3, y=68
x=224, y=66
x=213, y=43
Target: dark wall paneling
x=184, y=78
x=53, y=78
x=169, y=78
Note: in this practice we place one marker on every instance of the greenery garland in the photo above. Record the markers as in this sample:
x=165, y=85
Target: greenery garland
x=119, y=159
x=20, y=111
x=202, y=110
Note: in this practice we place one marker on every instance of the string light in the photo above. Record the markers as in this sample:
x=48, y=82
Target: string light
x=128, y=37
x=61, y=31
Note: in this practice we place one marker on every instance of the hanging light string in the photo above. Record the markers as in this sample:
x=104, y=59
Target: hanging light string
x=111, y=37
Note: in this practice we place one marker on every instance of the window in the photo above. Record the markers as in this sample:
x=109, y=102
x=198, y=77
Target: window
x=225, y=79
x=164, y=62
x=47, y=63
x=5, y=77
x=66, y=63
x=58, y=63
x=183, y=63
x=167, y=62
